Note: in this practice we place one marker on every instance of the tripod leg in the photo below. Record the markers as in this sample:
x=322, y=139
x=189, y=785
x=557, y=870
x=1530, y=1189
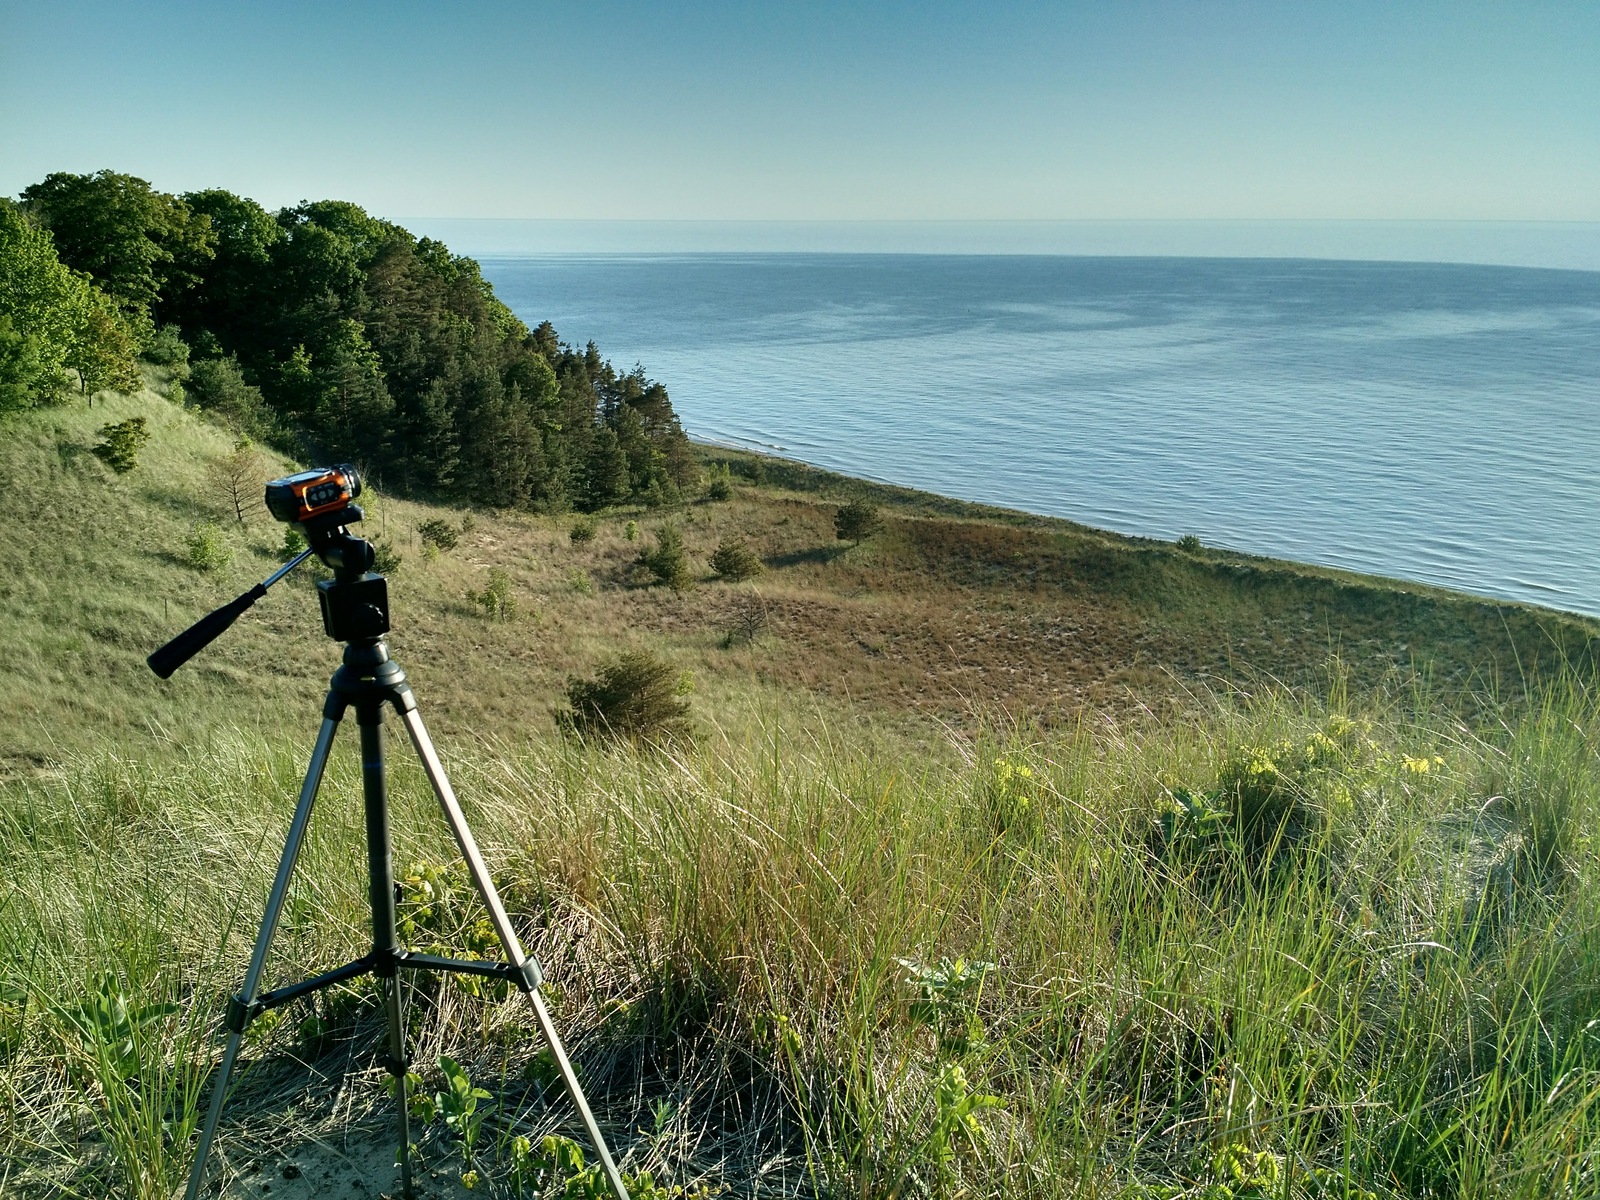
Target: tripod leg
x=237, y=1012
x=397, y=1051
x=508, y=938
x=381, y=894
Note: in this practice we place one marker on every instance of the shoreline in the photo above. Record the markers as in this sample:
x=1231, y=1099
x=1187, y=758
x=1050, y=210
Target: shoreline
x=801, y=476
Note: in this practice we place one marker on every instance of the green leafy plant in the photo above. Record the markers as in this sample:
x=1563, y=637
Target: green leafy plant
x=208, y=550
x=1236, y=1172
x=498, y=599
x=630, y=531
x=1012, y=794
x=111, y=1027
x=120, y=444
x=582, y=532
x=1190, y=544
x=146, y=1096
x=946, y=999
x=13, y=1015
x=735, y=560
x=580, y=582
x=460, y=1104
x=955, y=1117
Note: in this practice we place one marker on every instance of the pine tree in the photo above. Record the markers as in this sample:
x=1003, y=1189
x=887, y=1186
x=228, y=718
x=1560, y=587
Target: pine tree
x=608, y=481
x=857, y=521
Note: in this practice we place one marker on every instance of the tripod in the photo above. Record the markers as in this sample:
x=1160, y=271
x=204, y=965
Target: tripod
x=355, y=610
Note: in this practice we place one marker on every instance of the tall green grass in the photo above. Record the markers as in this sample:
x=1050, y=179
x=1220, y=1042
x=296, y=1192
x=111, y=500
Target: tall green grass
x=1290, y=947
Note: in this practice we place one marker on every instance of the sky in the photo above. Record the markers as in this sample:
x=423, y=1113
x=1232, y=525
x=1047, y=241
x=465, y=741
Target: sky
x=820, y=111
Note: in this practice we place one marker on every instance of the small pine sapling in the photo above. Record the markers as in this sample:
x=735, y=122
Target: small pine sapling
x=635, y=697
x=208, y=550
x=735, y=560
x=857, y=521
x=667, y=561
x=120, y=444
x=439, y=534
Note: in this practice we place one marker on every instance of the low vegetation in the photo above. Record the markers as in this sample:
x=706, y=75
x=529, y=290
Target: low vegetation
x=734, y=560
x=1303, y=949
x=857, y=520
x=992, y=857
x=636, y=697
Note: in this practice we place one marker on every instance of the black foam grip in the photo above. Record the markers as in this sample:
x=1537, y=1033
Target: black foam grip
x=201, y=634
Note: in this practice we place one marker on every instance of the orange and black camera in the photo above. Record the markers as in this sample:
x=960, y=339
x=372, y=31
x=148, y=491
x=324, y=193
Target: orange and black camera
x=309, y=494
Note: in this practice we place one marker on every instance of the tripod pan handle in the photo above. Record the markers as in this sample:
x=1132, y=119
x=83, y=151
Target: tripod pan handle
x=201, y=634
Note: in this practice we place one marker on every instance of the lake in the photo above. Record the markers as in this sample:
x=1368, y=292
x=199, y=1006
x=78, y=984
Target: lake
x=1434, y=422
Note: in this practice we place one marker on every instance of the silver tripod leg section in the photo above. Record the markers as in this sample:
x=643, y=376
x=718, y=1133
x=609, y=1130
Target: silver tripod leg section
x=397, y=1050
x=508, y=937
x=258, y=959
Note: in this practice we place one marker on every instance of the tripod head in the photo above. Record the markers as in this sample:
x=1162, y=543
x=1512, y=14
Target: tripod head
x=355, y=602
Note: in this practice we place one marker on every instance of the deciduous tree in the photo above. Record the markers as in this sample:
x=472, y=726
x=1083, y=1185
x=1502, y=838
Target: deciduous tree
x=134, y=241
x=236, y=478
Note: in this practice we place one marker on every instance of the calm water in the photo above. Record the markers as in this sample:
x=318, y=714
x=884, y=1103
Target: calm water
x=1431, y=422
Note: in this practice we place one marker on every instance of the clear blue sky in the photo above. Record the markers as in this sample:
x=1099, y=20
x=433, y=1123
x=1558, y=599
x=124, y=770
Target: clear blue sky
x=822, y=111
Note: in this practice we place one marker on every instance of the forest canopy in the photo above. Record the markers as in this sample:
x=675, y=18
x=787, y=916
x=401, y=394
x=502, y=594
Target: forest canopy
x=331, y=333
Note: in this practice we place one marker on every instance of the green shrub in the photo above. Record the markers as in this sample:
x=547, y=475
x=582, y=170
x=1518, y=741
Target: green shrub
x=735, y=560
x=582, y=532
x=218, y=388
x=498, y=600
x=120, y=444
x=166, y=348
x=636, y=697
x=1270, y=796
x=22, y=370
x=667, y=561
x=1190, y=544
x=386, y=559
x=208, y=549
x=631, y=531
x=721, y=486
x=857, y=521
x=294, y=544
x=439, y=534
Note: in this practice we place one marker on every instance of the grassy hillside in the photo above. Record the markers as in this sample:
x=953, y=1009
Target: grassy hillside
x=1013, y=859
x=955, y=611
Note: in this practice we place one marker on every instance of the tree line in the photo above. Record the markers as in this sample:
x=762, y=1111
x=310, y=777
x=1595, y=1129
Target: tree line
x=328, y=332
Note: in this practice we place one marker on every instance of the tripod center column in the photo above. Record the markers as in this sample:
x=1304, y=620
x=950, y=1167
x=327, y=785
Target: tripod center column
x=380, y=850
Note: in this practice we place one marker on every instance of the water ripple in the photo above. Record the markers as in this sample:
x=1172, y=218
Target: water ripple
x=1437, y=423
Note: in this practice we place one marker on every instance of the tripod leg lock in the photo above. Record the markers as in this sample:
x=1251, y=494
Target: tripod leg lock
x=240, y=1013
x=398, y=1067
x=531, y=978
